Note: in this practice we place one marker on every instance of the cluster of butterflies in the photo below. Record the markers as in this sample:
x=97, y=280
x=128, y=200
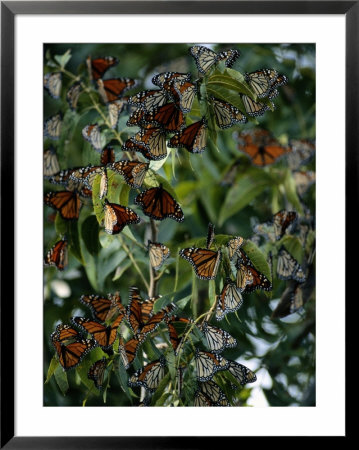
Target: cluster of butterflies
x=206, y=263
x=287, y=267
x=72, y=344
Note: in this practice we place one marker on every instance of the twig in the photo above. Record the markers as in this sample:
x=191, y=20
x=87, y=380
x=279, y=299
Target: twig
x=153, y=278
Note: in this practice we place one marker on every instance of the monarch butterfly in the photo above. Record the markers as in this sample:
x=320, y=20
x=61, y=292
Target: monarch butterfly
x=303, y=180
x=234, y=245
x=250, y=279
x=226, y=115
x=133, y=172
x=261, y=81
x=150, y=142
x=70, y=348
x=241, y=373
x=229, y=300
x=85, y=175
x=282, y=220
x=111, y=90
x=205, y=58
x=193, y=137
x=114, y=110
x=58, y=255
x=262, y=148
x=53, y=83
x=52, y=126
x=207, y=364
x=107, y=155
x=51, y=163
x=291, y=300
x=167, y=116
x=158, y=254
x=148, y=100
x=97, y=372
x=253, y=108
x=173, y=334
x=217, y=339
x=73, y=94
x=149, y=376
x=183, y=93
x=67, y=203
x=104, y=336
x=158, y=204
x=65, y=332
x=210, y=235
x=117, y=217
x=279, y=81
x=210, y=394
x=97, y=67
x=296, y=299
x=103, y=184
x=302, y=150
x=103, y=308
x=165, y=77
x=128, y=351
x=288, y=268
x=92, y=134
x=204, y=261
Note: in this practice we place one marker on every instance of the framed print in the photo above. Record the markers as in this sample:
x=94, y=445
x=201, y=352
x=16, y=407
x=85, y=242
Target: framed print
x=173, y=240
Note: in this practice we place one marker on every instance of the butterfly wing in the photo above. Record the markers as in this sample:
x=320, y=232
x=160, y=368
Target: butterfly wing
x=51, y=163
x=117, y=217
x=226, y=115
x=193, y=137
x=217, y=339
x=97, y=372
x=158, y=204
x=98, y=67
x=134, y=172
x=67, y=203
x=205, y=262
x=158, y=254
x=58, y=255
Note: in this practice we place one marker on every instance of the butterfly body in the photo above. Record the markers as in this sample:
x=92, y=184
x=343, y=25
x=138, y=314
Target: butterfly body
x=204, y=261
x=158, y=204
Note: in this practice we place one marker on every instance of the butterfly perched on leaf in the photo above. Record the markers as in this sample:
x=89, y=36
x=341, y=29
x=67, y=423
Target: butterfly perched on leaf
x=182, y=93
x=261, y=147
x=168, y=116
x=159, y=204
x=234, y=245
x=52, y=126
x=104, y=335
x=150, y=142
x=229, y=300
x=193, y=138
x=111, y=90
x=134, y=172
x=69, y=345
x=53, y=84
x=51, y=163
x=149, y=376
x=58, y=255
x=67, y=203
x=207, y=364
x=288, y=268
x=248, y=277
x=97, y=67
x=261, y=81
x=92, y=134
x=210, y=394
x=128, y=351
x=103, y=308
x=166, y=77
x=204, y=261
x=205, y=58
x=253, y=108
x=217, y=339
x=242, y=374
x=158, y=254
x=97, y=372
x=117, y=217
x=73, y=94
x=226, y=115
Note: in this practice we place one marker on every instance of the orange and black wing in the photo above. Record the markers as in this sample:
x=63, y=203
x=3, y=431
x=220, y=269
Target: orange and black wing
x=104, y=336
x=97, y=372
x=149, y=100
x=193, y=137
x=151, y=142
x=204, y=261
x=112, y=89
x=158, y=204
x=134, y=172
x=67, y=203
x=117, y=217
x=58, y=255
x=97, y=67
x=168, y=116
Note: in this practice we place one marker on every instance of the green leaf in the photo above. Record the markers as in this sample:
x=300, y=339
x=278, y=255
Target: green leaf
x=74, y=241
x=52, y=367
x=89, y=232
x=60, y=225
x=61, y=379
x=241, y=194
x=293, y=246
x=63, y=59
x=183, y=302
x=156, y=399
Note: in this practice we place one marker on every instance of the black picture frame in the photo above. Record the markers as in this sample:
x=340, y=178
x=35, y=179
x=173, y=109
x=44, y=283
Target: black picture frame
x=9, y=9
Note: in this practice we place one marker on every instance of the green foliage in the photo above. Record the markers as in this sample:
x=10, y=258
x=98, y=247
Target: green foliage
x=220, y=186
